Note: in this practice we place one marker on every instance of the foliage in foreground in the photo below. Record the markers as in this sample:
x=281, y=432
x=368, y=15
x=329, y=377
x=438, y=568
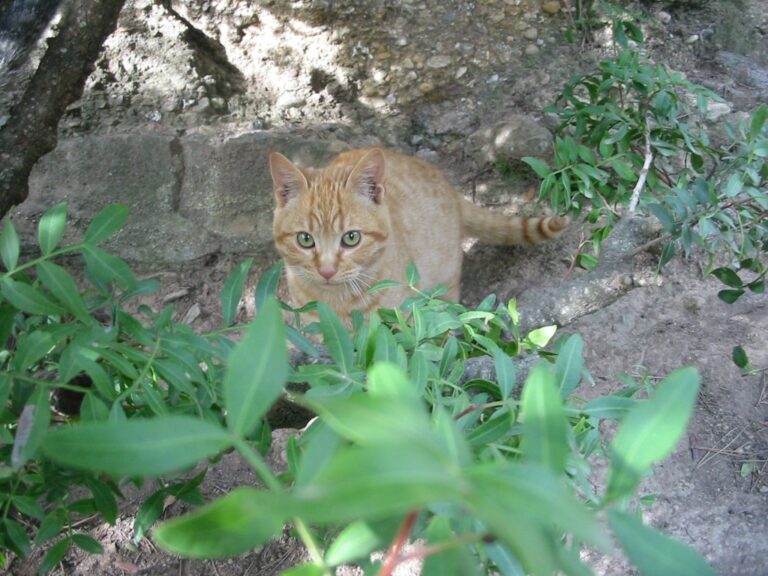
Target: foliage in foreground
x=491, y=477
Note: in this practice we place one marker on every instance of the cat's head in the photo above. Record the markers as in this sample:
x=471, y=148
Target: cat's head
x=331, y=225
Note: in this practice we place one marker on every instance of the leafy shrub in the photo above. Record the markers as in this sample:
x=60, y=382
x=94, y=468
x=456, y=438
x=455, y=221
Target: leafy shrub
x=84, y=353
x=630, y=138
x=489, y=476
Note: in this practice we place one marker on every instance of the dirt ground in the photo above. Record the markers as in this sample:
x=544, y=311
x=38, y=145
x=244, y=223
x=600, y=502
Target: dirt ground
x=713, y=491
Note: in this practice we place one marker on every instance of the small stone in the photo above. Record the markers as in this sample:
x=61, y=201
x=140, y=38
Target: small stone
x=551, y=7
x=154, y=116
x=407, y=63
x=531, y=34
x=460, y=72
x=692, y=39
x=531, y=50
x=426, y=87
x=439, y=61
x=402, y=41
x=663, y=17
x=716, y=109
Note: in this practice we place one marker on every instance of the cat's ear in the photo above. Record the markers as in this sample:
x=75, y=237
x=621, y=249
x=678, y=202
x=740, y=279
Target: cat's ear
x=287, y=178
x=367, y=177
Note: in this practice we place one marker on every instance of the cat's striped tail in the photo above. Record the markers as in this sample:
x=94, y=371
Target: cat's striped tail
x=498, y=228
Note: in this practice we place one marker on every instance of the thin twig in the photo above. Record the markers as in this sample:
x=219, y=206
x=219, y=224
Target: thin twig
x=711, y=453
x=643, y=174
x=393, y=555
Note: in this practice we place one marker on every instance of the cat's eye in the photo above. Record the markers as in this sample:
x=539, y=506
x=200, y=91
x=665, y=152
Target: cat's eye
x=305, y=240
x=351, y=238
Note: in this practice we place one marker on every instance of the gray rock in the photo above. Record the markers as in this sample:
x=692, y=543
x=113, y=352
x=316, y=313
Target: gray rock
x=515, y=137
x=187, y=197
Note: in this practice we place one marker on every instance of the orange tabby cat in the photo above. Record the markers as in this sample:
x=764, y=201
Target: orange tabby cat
x=370, y=212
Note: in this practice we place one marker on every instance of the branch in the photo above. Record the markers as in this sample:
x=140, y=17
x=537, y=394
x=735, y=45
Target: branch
x=31, y=130
x=614, y=276
x=643, y=174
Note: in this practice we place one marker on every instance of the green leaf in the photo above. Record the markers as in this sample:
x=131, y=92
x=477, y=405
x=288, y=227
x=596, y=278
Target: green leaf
x=87, y=543
x=30, y=348
x=541, y=336
x=539, y=166
x=18, y=536
x=506, y=373
x=383, y=285
x=257, y=370
x=63, y=287
x=728, y=277
x=734, y=186
x=740, y=357
x=651, y=430
x=412, y=274
x=236, y=523
x=730, y=296
x=268, y=283
x=51, y=228
x=454, y=560
x=9, y=245
x=108, y=268
x=336, y=338
x=136, y=447
x=106, y=223
x=758, y=121
x=569, y=365
x=233, y=291
x=403, y=475
x=104, y=499
x=355, y=541
x=544, y=424
x=28, y=299
x=654, y=553
x=33, y=424
x=54, y=555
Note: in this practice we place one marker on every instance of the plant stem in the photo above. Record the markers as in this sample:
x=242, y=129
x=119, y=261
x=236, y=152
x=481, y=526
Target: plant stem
x=393, y=555
x=643, y=174
x=35, y=261
x=272, y=483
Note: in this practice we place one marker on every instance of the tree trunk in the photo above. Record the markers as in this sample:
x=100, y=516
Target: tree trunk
x=31, y=131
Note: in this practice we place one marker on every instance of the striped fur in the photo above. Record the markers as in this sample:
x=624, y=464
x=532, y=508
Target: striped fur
x=398, y=209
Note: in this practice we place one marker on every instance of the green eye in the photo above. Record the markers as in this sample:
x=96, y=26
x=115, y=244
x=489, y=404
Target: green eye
x=351, y=238
x=305, y=240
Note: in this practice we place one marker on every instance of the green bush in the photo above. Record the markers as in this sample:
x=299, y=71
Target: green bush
x=490, y=476
x=631, y=139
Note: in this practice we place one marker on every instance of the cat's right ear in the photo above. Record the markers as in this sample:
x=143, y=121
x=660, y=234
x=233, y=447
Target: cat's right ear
x=287, y=179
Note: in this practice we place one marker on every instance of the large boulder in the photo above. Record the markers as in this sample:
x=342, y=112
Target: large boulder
x=187, y=196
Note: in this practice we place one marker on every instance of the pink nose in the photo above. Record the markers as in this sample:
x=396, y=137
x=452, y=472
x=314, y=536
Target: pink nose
x=327, y=273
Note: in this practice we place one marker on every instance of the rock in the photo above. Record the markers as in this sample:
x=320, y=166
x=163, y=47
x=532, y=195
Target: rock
x=663, y=17
x=530, y=34
x=187, y=197
x=439, y=61
x=531, y=50
x=716, y=110
x=551, y=7
x=692, y=39
x=515, y=137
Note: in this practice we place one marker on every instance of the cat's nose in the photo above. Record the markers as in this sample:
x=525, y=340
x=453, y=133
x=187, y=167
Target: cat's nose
x=327, y=273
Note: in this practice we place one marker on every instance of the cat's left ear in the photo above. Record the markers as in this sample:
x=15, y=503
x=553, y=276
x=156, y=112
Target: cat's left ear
x=367, y=177
x=287, y=178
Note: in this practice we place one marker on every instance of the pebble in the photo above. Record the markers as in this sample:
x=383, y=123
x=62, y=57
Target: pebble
x=663, y=17
x=551, y=7
x=439, y=61
x=460, y=72
x=531, y=50
x=692, y=39
x=531, y=34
